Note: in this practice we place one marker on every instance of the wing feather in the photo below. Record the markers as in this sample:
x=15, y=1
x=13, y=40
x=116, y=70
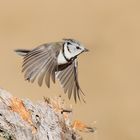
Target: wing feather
x=35, y=60
x=70, y=89
x=41, y=63
x=36, y=51
x=43, y=72
x=47, y=78
x=38, y=71
x=35, y=68
x=69, y=81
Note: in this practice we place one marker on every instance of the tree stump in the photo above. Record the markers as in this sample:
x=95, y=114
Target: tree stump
x=20, y=119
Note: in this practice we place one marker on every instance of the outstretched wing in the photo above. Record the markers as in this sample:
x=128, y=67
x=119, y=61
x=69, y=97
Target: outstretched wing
x=69, y=81
x=41, y=62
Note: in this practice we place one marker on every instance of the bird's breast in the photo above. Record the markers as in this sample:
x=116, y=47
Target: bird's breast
x=61, y=59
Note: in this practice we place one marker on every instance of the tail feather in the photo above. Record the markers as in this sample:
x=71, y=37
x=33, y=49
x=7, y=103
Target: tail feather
x=22, y=52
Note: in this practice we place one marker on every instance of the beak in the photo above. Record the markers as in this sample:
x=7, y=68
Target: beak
x=86, y=50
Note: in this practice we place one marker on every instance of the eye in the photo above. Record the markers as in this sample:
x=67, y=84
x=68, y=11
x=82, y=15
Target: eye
x=77, y=47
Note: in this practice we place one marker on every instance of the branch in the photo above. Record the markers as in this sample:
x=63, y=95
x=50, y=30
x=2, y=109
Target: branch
x=46, y=120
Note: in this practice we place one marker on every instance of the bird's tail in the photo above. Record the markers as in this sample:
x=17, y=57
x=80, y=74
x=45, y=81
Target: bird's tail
x=22, y=52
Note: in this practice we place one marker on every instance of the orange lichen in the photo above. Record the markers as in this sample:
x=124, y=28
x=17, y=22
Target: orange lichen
x=17, y=106
x=78, y=125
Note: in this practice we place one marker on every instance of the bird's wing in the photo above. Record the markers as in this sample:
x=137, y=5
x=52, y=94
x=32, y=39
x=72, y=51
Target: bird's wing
x=41, y=63
x=69, y=81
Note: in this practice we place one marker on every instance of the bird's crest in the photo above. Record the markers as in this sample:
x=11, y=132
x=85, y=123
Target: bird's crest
x=71, y=40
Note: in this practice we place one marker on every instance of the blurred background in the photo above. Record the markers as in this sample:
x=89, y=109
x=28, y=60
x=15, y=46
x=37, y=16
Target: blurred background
x=109, y=74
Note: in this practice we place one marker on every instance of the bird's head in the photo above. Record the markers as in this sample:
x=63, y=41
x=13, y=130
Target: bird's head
x=73, y=48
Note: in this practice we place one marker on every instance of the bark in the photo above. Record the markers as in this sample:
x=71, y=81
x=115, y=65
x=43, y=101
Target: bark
x=20, y=119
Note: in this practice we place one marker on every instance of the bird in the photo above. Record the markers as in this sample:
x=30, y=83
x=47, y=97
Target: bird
x=54, y=60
